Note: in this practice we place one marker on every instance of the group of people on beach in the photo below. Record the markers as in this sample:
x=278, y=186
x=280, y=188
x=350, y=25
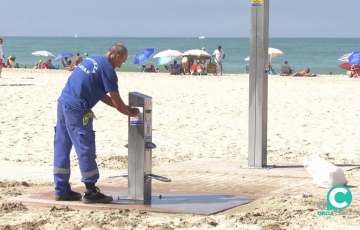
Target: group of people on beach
x=67, y=63
x=188, y=65
x=287, y=71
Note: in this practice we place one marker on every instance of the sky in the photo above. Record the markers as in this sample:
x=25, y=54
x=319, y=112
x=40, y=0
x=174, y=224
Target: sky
x=185, y=18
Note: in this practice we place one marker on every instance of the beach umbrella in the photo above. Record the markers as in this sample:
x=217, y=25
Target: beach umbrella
x=165, y=60
x=11, y=59
x=345, y=58
x=273, y=52
x=63, y=56
x=355, y=58
x=169, y=54
x=348, y=65
x=143, y=55
x=197, y=54
x=43, y=54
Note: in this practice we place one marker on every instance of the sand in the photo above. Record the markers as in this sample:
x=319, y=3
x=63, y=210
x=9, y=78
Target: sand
x=195, y=118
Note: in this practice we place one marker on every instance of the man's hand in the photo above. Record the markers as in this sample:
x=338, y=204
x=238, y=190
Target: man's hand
x=135, y=112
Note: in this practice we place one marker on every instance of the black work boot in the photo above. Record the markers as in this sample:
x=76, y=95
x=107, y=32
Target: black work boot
x=72, y=196
x=95, y=196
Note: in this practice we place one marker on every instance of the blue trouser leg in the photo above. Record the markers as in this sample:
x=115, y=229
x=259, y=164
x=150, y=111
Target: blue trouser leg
x=83, y=139
x=62, y=148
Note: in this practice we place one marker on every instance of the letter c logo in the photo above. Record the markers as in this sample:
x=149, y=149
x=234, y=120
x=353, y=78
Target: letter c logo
x=332, y=198
x=343, y=198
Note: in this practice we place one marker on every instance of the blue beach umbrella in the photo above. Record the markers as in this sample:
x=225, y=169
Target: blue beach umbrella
x=354, y=59
x=143, y=55
x=63, y=56
x=164, y=60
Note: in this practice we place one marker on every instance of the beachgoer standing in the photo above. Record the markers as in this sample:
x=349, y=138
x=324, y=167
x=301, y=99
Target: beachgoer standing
x=204, y=61
x=185, y=64
x=219, y=56
x=86, y=86
x=1, y=55
x=78, y=59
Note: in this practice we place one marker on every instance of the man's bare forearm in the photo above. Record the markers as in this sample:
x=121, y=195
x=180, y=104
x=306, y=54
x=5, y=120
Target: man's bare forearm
x=107, y=100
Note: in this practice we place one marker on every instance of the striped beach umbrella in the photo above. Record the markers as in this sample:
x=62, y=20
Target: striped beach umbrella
x=11, y=59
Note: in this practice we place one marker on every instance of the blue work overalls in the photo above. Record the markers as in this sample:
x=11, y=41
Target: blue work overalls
x=69, y=131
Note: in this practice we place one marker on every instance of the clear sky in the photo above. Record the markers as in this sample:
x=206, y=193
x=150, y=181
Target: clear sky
x=185, y=18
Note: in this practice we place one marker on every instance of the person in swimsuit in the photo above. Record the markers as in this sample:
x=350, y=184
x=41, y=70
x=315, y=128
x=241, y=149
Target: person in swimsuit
x=1, y=55
x=303, y=73
x=185, y=65
x=352, y=72
x=200, y=68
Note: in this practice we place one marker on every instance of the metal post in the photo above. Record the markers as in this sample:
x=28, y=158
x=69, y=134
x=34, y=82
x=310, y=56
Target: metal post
x=139, y=148
x=258, y=91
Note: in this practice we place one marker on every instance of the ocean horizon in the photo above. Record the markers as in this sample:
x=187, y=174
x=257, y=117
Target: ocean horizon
x=319, y=54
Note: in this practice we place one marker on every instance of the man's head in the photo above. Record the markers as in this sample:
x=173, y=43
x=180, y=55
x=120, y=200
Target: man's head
x=1, y=40
x=307, y=70
x=285, y=62
x=49, y=60
x=219, y=48
x=78, y=54
x=117, y=55
x=203, y=48
x=175, y=61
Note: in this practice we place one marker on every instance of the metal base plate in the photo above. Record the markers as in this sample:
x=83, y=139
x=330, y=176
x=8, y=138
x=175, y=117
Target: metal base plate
x=196, y=203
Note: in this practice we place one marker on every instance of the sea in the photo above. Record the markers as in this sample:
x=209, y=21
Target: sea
x=319, y=54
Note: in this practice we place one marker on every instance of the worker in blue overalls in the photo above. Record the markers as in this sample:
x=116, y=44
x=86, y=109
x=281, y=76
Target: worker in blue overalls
x=90, y=82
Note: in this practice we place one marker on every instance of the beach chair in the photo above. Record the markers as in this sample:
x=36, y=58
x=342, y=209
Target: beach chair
x=286, y=70
x=175, y=69
x=64, y=64
x=149, y=68
x=72, y=67
x=175, y=72
x=247, y=69
x=211, y=68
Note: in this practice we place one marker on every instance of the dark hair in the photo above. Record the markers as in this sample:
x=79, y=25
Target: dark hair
x=175, y=61
x=78, y=54
x=1, y=39
x=219, y=47
x=285, y=62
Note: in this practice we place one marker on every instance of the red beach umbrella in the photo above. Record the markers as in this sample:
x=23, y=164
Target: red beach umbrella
x=348, y=65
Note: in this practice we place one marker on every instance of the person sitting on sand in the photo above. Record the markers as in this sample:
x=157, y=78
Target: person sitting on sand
x=36, y=66
x=303, y=73
x=352, y=72
x=157, y=70
x=200, y=68
x=17, y=65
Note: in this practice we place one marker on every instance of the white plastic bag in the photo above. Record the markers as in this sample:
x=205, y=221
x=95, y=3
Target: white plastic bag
x=324, y=173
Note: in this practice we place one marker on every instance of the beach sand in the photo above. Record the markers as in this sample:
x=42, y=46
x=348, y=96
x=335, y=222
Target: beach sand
x=195, y=119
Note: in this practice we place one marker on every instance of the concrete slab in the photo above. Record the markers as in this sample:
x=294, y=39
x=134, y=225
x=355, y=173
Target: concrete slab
x=162, y=201
x=230, y=166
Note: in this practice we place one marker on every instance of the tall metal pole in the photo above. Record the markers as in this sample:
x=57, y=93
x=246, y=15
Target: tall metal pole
x=258, y=91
